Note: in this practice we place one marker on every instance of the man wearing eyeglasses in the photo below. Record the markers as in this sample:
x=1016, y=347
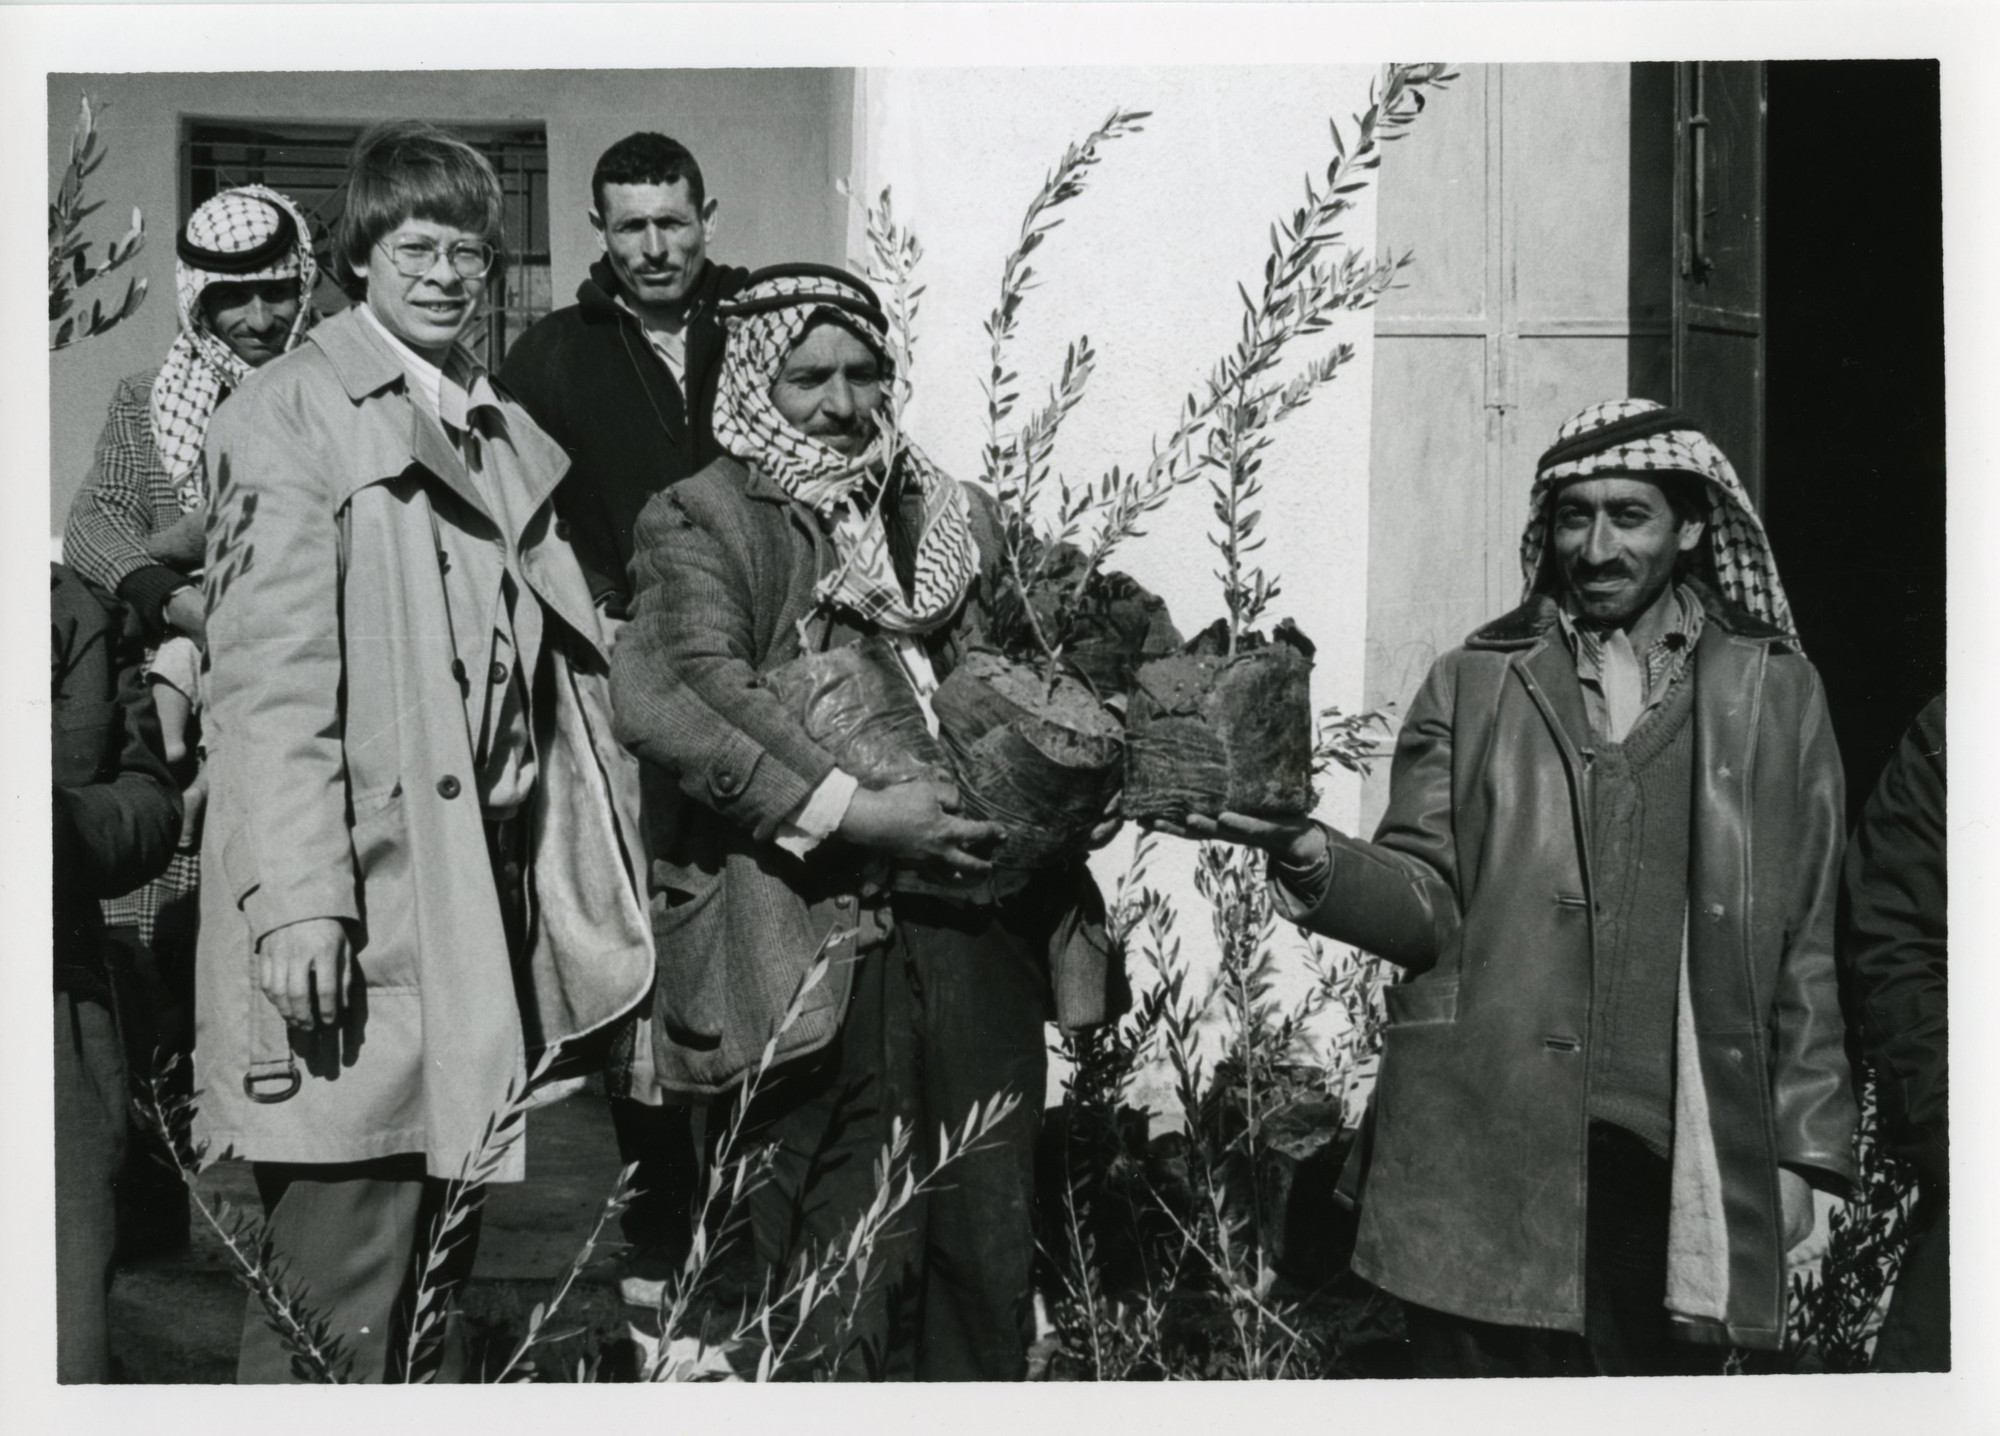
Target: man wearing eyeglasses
x=422, y=851
x=624, y=380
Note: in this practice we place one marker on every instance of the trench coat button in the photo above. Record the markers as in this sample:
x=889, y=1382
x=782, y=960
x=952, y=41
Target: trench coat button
x=448, y=786
x=498, y=672
x=562, y=529
x=458, y=669
x=725, y=781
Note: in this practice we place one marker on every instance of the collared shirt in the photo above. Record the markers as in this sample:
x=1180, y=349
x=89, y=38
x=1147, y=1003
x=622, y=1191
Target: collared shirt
x=1624, y=675
x=490, y=646
x=669, y=344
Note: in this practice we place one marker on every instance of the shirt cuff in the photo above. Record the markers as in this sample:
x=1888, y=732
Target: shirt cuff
x=1300, y=889
x=148, y=589
x=818, y=816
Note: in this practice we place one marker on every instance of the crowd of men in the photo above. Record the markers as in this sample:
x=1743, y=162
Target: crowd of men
x=452, y=680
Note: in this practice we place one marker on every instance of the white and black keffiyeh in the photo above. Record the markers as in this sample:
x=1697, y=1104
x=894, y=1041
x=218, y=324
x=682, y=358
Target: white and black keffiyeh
x=1639, y=437
x=765, y=321
x=241, y=236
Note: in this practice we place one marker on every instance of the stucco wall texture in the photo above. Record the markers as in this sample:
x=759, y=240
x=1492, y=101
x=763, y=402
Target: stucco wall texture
x=770, y=142
x=1146, y=262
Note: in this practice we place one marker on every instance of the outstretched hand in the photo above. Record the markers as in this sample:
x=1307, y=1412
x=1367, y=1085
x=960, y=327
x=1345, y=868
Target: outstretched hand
x=1298, y=841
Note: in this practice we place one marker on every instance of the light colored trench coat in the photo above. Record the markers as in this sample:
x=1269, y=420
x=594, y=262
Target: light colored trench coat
x=342, y=770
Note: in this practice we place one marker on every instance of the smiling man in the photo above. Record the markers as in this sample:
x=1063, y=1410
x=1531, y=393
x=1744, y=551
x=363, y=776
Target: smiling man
x=422, y=847
x=1609, y=865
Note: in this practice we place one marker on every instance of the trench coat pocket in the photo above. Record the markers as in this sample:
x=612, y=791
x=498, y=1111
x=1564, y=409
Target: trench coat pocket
x=691, y=997
x=1413, y=1004
x=387, y=949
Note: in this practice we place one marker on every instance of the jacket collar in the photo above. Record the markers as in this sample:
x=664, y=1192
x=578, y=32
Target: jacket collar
x=366, y=367
x=1537, y=620
x=363, y=364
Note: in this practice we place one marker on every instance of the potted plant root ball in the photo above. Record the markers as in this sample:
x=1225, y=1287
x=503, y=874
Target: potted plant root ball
x=856, y=702
x=1042, y=758
x=1208, y=731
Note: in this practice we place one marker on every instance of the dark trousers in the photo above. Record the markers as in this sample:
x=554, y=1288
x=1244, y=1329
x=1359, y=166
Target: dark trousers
x=1626, y=1330
x=949, y=1012
x=356, y=1235
x=1916, y=1334
x=90, y=1149
x=657, y=1225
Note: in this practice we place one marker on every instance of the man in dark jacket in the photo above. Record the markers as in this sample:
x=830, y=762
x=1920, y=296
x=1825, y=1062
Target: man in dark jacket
x=624, y=380
x=1610, y=862
x=117, y=813
x=1893, y=944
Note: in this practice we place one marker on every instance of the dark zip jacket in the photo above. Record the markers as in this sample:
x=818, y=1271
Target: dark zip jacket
x=588, y=377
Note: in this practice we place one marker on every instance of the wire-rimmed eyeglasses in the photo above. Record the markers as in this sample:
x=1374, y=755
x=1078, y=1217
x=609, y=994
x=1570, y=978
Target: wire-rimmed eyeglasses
x=414, y=258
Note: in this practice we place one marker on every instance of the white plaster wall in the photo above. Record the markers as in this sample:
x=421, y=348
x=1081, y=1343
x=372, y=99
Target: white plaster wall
x=1146, y=262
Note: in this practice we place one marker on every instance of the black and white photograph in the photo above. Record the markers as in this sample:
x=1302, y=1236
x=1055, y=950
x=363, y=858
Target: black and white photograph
x=1007, y=694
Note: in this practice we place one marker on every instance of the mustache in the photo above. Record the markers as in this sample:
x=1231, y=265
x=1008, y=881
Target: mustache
x=1581, y=572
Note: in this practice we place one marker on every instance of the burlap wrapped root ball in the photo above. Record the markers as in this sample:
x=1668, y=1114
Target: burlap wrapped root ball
x=1207, y=732
x=856, y=702
x=1044, y=764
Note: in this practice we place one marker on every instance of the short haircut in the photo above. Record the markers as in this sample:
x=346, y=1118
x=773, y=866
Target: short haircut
x=410, y=169
x=647, y=158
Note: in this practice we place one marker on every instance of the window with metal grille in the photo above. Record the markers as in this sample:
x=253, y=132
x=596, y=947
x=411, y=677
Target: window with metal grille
x=309, y=163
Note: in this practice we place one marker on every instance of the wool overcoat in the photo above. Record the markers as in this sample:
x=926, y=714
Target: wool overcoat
x=1478, y=882
x=341, y=762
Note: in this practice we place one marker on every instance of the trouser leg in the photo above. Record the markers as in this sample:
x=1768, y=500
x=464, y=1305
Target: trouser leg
x=826, y=1121
x=89, y=1149
x=355, y=1236
x=1444, y=1345
x=982, y=1003
x=1625, y=1264
x=659, y=1141
x=1916, y=1334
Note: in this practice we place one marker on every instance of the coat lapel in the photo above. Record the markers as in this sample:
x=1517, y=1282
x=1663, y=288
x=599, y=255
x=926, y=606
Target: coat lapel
x=395, y=433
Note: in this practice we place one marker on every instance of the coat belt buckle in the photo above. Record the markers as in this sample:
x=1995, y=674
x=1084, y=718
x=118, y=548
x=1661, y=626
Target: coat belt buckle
x=254, y=1084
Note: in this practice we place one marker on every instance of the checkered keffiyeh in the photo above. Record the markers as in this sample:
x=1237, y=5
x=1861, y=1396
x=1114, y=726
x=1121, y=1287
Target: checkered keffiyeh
x=765, y=321
x=230, y=229
x=1639, y=437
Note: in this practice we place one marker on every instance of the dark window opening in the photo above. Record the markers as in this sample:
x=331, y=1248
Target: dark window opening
x=308, y=162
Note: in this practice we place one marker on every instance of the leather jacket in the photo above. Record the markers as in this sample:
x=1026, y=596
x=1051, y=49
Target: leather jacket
x=1478, y=884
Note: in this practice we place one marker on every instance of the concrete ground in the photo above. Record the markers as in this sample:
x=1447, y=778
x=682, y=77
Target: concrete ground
x=177, y=1318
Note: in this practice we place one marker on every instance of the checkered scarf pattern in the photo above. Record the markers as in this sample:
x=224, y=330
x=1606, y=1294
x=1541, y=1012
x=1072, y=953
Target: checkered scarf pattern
x=199, y=364
x=749, y=425
x=1745, y=570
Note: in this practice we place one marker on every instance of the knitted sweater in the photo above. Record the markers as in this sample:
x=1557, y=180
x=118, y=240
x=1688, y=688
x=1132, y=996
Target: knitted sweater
x=1640, y=797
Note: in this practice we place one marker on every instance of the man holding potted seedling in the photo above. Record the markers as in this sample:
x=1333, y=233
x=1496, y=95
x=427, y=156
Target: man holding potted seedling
x=1609, y=865
x=822, y=528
